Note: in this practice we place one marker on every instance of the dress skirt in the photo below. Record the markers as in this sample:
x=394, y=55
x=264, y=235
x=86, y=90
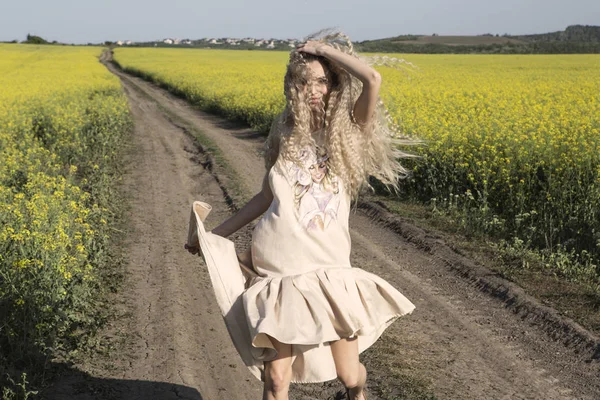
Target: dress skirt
x=307, y=310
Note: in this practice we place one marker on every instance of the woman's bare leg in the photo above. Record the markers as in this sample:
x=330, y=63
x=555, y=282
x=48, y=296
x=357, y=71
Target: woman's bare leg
x=278, y=372
x=349, y=370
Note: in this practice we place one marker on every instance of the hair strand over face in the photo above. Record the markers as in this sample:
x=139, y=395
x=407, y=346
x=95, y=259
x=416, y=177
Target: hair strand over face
x=355, y=152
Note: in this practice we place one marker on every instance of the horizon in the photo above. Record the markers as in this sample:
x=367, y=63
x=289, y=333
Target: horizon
x=50, y=40
x=71, y=22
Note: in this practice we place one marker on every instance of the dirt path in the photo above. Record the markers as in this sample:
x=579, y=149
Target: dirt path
x=463, y=343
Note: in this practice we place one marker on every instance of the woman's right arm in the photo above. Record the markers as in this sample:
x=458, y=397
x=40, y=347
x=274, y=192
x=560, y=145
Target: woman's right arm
x=261, y=202
x=252, y=210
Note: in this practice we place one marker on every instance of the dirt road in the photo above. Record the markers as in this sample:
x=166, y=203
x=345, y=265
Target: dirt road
x=461, y=342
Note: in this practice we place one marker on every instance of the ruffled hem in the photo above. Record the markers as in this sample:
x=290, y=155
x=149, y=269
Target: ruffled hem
x=308, y=310
x=320, y=306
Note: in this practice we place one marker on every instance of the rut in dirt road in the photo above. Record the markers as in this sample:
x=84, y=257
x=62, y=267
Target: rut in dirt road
x=182, y=337
x=461, y=341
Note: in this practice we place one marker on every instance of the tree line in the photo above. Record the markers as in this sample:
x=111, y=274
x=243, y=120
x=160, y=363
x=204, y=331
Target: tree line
x=575, y=39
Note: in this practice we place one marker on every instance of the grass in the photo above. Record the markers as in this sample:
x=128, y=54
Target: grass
x=575, y=297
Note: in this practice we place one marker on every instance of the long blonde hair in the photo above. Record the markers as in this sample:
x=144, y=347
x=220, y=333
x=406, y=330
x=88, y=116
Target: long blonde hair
x=355, y=152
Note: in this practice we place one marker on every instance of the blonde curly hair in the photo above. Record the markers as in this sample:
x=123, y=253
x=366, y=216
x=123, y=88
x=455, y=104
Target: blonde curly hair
x=355, y=152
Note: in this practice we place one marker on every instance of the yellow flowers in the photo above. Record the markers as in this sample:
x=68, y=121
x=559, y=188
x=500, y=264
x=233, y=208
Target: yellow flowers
x=61, y=112
x=510, y=134
x=526, y=126
x=244, y=85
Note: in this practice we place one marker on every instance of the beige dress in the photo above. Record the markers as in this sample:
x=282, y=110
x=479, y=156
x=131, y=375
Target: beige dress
x=303, y=290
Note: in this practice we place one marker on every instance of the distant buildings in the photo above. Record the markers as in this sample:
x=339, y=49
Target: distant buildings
x=225, y=42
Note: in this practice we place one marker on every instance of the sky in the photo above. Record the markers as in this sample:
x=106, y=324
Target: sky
x=86, y=21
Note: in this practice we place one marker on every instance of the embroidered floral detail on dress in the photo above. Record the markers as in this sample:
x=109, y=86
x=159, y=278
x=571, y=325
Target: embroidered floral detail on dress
x=316, y=190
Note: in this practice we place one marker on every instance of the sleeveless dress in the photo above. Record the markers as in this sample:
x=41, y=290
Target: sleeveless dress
x=303, y=290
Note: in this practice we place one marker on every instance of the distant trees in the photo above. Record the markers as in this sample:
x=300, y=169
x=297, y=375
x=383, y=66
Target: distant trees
x=582, y=33
x=576, y=39
x=573, y=33
x=496, y=48
x=33, y=39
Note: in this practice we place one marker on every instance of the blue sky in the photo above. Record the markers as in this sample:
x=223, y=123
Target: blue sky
x=82, y=21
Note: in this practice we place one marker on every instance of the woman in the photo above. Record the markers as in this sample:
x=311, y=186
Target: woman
x=309, y=313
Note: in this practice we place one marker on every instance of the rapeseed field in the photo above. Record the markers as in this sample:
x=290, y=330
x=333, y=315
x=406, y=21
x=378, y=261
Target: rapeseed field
x=63, y=118
x=512, y=141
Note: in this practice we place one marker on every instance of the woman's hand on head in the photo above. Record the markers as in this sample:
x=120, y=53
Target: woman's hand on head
x=312, y=47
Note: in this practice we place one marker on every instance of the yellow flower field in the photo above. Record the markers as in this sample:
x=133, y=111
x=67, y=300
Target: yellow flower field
x=515, y=137
x=513, y=141
x=62, y=118
x=245, y=85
